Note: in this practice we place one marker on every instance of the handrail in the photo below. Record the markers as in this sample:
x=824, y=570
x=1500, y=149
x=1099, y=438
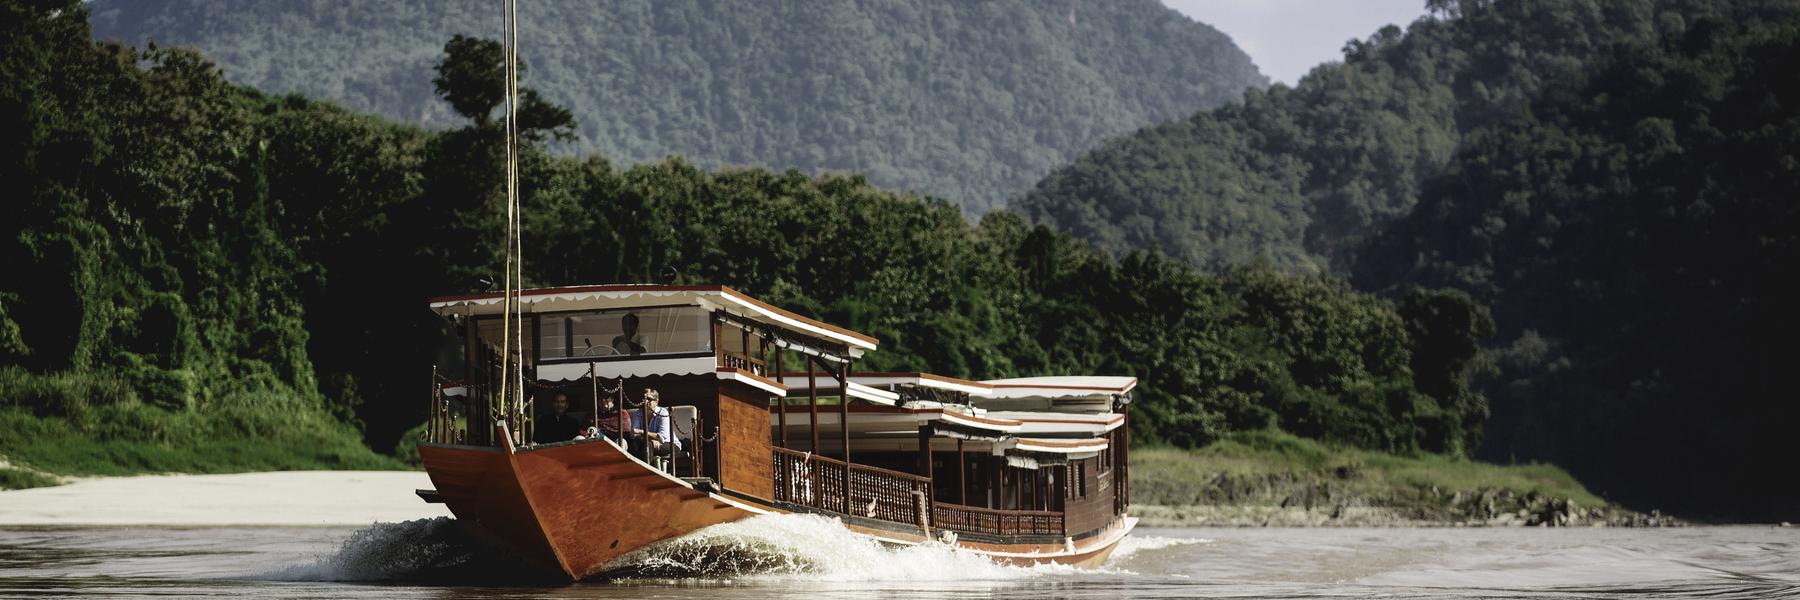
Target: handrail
x=744, y=357
x=739, y=360
x=857, y=490
x=998, y=522
x=1001, y=511
x=807, y=455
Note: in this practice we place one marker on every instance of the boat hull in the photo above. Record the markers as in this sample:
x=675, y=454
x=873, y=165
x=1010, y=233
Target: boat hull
x=577, y=506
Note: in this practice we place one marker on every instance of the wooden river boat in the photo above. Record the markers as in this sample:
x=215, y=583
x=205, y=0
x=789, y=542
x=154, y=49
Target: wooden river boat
x=772, y=418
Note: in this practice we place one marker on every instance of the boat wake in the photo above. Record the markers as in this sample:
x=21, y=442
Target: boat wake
x=768, y=547
x=1135, y=543
x=439, y=551
x=809, y=547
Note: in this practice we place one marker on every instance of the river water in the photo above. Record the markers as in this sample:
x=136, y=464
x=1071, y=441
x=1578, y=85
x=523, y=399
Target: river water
x=812, y=557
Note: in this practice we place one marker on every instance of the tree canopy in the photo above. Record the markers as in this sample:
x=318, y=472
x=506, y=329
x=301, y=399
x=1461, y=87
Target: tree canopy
x=1615, y=180
x=968, y=101
x=190, y=240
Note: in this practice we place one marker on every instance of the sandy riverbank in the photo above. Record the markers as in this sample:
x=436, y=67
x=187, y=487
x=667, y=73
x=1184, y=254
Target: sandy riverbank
x=276, y=498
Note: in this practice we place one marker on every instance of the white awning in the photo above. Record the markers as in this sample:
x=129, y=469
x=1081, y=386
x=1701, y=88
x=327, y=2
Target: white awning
x=924, y=380
x=618, y=369
x=1049, y=446
x=797, y=387
x=1066, y=386
x=604, y=297
x=1061, y=423
x=751, y=380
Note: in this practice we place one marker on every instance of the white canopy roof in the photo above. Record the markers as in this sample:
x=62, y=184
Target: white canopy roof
x=1060, y=386
x=1061, y=423
x=604, y=297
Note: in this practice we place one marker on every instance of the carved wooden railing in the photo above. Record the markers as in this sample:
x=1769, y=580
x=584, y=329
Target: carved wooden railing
x=892, y=496
x=876, y=493
x=974, y=519
x=735, y=360
x=807, y=480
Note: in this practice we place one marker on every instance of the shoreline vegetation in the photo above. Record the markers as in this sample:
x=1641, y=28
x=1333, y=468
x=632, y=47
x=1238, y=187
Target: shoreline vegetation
x=72, y=425
x=1272, y=479
x=1249, y=479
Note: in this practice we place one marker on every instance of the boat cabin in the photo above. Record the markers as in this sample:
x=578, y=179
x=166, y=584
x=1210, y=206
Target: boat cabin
x=770, y=411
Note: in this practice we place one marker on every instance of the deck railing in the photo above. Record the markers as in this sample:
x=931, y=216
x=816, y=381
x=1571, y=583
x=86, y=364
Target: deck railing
x=876, y=493
x=735, y=360
x=892, y=496
x=974, y=519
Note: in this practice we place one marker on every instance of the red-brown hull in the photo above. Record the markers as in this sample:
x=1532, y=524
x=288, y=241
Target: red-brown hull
x=578, y=506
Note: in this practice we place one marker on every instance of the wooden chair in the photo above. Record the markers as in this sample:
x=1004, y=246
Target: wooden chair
x=681, y=421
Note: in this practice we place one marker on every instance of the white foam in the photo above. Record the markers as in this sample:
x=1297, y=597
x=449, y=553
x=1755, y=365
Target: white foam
x=1133, y=544
x=813, y=548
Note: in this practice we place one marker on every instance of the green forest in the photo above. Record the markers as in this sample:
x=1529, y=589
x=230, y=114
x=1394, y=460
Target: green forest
x=968, y=101
x=1617, y=181
x=1515, y=231
x=210, y=278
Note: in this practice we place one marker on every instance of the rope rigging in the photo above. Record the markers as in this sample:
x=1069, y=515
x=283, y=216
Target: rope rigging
x=512, y=393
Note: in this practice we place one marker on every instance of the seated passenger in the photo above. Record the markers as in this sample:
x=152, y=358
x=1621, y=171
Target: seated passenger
x=626, y=343
x=561, y=424
x=662, y=439
x=611, y=421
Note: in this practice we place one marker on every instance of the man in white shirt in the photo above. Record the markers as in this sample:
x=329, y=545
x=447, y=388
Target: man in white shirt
x=663, y=441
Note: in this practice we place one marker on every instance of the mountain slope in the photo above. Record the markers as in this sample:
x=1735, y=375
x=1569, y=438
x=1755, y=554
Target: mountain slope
x=967, y=101
x=1614, y=179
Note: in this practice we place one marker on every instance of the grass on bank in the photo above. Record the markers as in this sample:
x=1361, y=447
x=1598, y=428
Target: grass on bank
x=18, y=479
x=70, y=424
x=1264, y=467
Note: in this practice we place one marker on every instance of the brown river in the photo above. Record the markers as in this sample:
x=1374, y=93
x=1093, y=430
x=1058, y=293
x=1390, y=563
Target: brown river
x=812, y=557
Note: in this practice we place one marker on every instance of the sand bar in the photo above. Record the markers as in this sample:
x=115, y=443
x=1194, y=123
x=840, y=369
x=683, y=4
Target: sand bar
x=276, y=498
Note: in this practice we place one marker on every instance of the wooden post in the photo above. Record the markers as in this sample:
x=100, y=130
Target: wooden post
x=470, y=391
x=644, y=420
x=781, y=401
x=1037, y=493
x=812, y=404
x=1125, y=463
x=925, y=451
x=594, y=416
x=619, y=403
x=697, y=458
x=992, y=495
x=1019, y=488
x=962, y=475
x=537, y=345
x=718, y=342
x=843, y=377
x=431, y=420
x=1000, y=483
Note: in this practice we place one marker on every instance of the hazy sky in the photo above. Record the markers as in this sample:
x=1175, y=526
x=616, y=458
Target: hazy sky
x=1286, y=38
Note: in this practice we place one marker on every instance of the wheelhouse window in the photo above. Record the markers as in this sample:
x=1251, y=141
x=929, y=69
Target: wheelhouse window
x=625, y=333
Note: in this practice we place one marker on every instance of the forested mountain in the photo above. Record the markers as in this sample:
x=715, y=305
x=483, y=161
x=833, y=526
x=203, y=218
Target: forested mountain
x=970, y=101
x=195, y=261
x=1617, y=180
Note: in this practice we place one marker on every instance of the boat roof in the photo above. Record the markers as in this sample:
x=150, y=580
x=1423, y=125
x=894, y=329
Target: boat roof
x=1057, y=393
x=1060, y=386
x=634, y=295
x=1055, y=387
